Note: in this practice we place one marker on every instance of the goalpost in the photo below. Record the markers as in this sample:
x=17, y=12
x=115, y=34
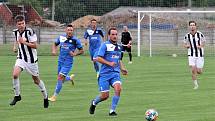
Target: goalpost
x=143, y=14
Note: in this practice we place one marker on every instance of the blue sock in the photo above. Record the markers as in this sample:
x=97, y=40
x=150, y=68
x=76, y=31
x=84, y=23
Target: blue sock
x=58, y=87
x=96, y=66
x=115, y=101
x=67, y=78
x=97, y=100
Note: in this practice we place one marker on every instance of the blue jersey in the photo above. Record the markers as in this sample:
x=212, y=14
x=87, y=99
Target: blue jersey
x=112, y=53
x=94, y=38
x=67, y=45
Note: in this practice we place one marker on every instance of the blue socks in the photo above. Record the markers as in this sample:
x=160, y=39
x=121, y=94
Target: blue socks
x=58, y=87
x=67, y=78
x=97, y=100
x=115, y=101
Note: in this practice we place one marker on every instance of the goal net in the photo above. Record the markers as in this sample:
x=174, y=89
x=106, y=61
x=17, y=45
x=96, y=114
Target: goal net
x=162, y=32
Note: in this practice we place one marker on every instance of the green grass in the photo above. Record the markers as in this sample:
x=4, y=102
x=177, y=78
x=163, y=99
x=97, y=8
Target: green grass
x=161, y=82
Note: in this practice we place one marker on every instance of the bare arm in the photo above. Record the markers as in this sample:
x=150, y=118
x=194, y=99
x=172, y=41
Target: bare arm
x=54, y=49
x=186, y=45
x=123, y=69
x=103, y=61
x=76, y=53
x=15, y=47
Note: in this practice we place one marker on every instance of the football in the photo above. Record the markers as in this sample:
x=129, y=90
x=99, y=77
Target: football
x=151, y=115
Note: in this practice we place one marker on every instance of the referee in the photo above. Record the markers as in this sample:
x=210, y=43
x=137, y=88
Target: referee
x=126, y=43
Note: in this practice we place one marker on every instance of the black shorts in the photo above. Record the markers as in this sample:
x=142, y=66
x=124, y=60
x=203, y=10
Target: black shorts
x=125, y=48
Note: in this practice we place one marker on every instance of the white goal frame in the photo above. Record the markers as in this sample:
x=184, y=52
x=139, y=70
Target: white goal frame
x=140, y=18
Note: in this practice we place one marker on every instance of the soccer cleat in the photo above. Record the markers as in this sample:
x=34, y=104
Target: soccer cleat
x=92, y=108
x=97, y=74
x=196, y=87
x=72, y=76
x=46, y=103
x=113, y=114
x=15, y=99
x=52, y=99
x=130, y=62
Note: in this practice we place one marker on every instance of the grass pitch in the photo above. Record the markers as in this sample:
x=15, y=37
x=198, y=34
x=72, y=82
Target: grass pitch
x=163, y=83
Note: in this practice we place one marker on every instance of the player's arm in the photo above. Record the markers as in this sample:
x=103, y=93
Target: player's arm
x=123, y=69
x=32, y=44
x=54, y=49
x=15, y=44
x=202, y=42
x=76, y=53
x=186, y=44
x=103, y=61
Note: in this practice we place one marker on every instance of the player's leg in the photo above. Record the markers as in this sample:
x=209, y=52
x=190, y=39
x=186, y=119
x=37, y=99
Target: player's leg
x=122, y=52
x=62, y=72
x=104, y=94
x=116, y=84
x=200, y=65
x=193, y=68
x=70, y=77
x=130, y=55
x=42, y=88
x=34, y=71
x=16, y=83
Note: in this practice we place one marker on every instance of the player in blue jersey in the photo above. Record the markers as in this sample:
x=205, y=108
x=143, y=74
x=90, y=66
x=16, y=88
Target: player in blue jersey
x=109, y=55
x=95, y=35
x=68, y=44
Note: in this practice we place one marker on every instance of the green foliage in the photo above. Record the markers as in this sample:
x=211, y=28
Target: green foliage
x=35, y=3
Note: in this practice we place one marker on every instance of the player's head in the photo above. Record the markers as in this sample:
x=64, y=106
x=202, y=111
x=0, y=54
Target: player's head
x=125, y=28
x=20, y=22
x=93, y=23
x=112, y=33
x=192, y=26
x=69, y=30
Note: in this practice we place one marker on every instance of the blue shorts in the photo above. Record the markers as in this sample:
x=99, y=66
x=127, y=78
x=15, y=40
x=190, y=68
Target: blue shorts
x=107, y=80
x=64, y=68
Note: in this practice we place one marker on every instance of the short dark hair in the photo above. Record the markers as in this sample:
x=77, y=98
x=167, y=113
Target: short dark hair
x=93, y=20
x=111, y=28
x=19, y=18
x=69, y=25
x=192, y=22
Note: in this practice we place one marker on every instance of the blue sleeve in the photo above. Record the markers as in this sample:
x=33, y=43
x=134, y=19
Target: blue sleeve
x=102, y=50
x=57, y=41
x=86, y=35
x=78, y=44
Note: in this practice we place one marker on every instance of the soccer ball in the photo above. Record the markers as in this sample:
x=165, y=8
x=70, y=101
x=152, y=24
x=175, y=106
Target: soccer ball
x=151, y=115
x=174, y=55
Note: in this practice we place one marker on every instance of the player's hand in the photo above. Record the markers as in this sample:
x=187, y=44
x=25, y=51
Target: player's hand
x=72, y=53
x=15, y=50
x=112, y=64
x=199, y=46
x=22, y=40
x=54, y=53
x=124, y=71
x=129, y=45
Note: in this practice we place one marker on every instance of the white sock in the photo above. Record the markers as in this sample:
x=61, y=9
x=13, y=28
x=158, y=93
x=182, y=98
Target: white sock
x=111, y=110
x=16, y=86
x=42, y=87
x=195, y=82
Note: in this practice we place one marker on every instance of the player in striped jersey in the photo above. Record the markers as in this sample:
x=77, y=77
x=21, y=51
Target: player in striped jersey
x=26, y=41
x=194, y=41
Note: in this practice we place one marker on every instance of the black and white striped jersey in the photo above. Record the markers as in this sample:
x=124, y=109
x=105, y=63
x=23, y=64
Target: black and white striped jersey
x=193, y=40
x=25, y=52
